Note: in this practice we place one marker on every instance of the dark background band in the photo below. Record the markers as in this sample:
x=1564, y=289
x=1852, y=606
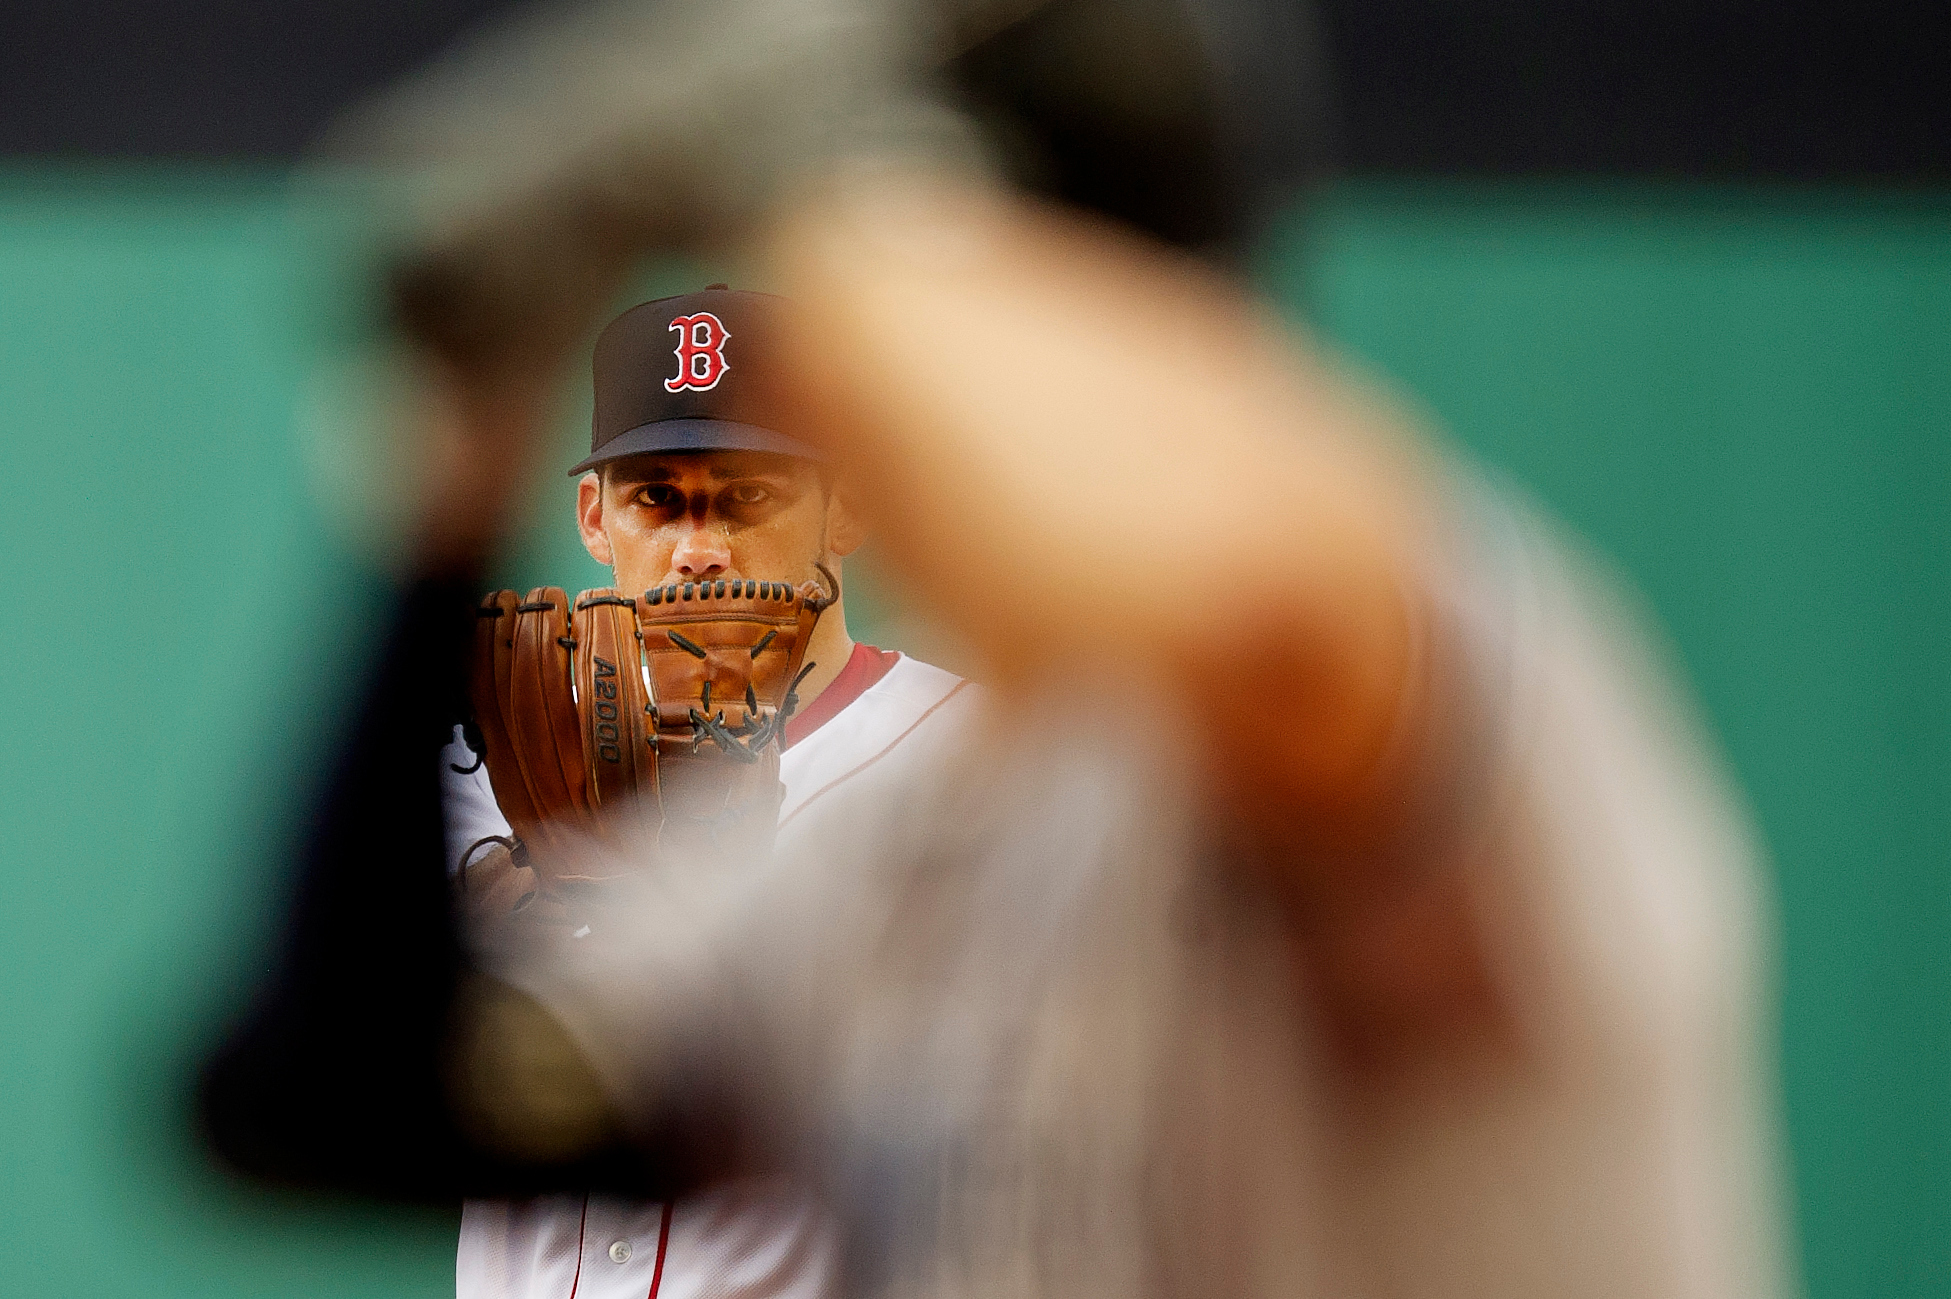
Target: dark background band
x=1780, y=89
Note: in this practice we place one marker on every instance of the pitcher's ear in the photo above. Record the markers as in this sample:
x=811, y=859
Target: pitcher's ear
x=845, y=529
x=589, y=518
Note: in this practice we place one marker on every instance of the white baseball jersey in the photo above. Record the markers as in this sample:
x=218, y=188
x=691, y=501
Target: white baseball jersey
x=770, y=1239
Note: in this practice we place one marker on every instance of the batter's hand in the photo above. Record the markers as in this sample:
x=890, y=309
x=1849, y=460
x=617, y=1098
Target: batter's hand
x=1100, y=455
x=1116, y=474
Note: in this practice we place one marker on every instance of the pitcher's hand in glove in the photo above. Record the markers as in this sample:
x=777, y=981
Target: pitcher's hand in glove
x=613, y=725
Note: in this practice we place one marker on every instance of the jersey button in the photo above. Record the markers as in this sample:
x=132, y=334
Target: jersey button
x=619, y=1251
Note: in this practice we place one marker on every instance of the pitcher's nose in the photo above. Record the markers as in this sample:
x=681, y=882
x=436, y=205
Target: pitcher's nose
x=704, y=551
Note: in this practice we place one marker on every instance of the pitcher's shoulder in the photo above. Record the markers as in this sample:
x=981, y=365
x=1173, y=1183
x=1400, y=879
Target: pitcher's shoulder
x=916, y=683
x=913, y=716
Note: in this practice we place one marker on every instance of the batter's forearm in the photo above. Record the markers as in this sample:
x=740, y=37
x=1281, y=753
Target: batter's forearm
x=341, y=1075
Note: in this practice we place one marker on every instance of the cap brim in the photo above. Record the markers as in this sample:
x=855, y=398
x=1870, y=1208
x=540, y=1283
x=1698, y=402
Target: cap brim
x=693, y=435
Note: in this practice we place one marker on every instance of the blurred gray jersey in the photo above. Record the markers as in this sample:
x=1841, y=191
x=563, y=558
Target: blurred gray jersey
x=1006, y=1008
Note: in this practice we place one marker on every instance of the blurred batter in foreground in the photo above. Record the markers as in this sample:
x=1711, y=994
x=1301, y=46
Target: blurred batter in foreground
x=1327, y=898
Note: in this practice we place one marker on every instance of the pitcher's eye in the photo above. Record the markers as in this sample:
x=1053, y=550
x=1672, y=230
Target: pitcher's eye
x=659, y=496
x=750, y=494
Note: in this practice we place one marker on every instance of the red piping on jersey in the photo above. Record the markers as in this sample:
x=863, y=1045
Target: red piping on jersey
x=663, y=1242
x=582, y=1223
x=850, y=774
x=865, y=666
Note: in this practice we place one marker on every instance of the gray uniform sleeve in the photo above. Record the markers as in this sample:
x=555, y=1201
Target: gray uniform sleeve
x=1628, y=1147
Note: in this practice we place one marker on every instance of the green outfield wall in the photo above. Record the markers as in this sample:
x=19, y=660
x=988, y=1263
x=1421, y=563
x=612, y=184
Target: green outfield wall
x=1744, y=399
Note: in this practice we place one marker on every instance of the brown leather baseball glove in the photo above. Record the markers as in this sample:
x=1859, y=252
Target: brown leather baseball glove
x=651, y=722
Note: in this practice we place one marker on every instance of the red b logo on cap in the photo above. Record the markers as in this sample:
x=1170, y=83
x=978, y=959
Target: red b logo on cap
x=701, y=359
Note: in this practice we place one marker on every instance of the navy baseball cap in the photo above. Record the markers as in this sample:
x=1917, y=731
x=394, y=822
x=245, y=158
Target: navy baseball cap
x=683, y=374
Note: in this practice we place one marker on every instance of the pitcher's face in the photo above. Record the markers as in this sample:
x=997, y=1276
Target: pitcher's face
x=688, y=516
